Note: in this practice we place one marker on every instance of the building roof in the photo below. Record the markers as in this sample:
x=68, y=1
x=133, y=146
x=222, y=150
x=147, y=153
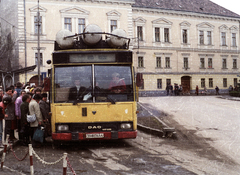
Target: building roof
x=197, y=6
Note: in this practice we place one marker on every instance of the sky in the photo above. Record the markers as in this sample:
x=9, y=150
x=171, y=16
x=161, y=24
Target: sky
x=233, y=5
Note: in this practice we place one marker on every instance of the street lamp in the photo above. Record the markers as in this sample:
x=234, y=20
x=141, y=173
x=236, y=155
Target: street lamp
x=38, y=55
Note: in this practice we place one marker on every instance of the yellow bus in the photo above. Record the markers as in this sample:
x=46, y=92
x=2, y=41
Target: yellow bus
x=93, y=89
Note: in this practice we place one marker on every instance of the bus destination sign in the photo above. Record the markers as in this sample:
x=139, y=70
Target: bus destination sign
x=91, y=58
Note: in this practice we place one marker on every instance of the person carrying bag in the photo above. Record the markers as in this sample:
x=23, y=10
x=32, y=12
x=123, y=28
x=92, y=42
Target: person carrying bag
x=38, y=135
x=35, y=109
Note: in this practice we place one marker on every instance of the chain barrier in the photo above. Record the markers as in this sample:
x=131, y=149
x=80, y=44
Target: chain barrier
x=69, y=165
x=16, y=155
x=44, y=162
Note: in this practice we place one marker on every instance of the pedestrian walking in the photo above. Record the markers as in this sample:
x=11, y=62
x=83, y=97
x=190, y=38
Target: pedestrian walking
x=180, y=89
x=18, y=111
x=230, y=88
x=196, y=90
x=217, y=90
x=35, y=109
x=205, y=90
x=10, y=119
x=25, y=126
x=171, y=89
x=167, y=89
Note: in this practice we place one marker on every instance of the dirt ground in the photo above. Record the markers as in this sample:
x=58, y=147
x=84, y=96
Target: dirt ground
x=185, y=140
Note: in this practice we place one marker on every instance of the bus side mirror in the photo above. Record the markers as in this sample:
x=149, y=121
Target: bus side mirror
x=139, y=79
x=46, y=84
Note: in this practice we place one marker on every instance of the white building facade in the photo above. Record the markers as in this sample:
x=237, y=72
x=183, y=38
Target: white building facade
x=195, y=44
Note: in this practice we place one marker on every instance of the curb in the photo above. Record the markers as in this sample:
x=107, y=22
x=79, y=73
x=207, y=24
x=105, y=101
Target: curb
x=165, y=132
x=230, y=98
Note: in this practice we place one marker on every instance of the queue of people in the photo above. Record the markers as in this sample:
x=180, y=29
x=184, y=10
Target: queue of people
x=178, y=90
x=174, y=90
x=18, y=102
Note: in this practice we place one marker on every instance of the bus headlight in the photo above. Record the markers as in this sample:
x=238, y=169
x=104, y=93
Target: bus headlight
x=126, y=126
x=63, y=128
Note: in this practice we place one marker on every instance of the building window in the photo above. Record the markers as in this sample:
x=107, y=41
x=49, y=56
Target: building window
x=209, y=37
x=234, y=41
x=202, y=63
x=168, y=82
x=235, y=82
x=159, y=83
x=184, y=36
x=224, y=63
x=234, y=63
x=68, y=24
x=209, y=62
x=166, y=35
x=142, y=87
x=185, y=63
x=157, y=34
x=36, y=59
x=140, y=33
x=81, y=25
x=36, y=25
x=202, y=82
x=113, y=25
x=224, y=82
x=223, y=36
x=158, y=62
x=167, y=61
x=210, y=82
x=201, y=37
x=140, y=61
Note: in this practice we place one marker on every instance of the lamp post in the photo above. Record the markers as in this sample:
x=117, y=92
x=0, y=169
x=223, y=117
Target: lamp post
x=38, y=48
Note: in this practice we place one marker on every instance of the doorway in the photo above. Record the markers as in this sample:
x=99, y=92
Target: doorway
x=185, y=82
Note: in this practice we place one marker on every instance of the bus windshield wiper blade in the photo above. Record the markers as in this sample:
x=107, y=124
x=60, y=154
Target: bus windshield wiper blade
x=111, y=100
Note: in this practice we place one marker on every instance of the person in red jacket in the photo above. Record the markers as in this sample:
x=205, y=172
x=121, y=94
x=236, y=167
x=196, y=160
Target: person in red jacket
x=117, y=85
x=3, y=106
x=2, y=113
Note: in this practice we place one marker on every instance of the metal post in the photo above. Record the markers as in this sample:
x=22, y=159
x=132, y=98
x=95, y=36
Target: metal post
x=25, y=39
x=31, y=159
x=38, y=15
x=65, y=164
x=5, y=150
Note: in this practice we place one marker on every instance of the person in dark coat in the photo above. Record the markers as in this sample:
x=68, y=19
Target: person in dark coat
x=25, y=127
x=45, y=110
x=10, y=118
x=217, y=90
x=167, y=89
x=171, y=89
x=77, y=92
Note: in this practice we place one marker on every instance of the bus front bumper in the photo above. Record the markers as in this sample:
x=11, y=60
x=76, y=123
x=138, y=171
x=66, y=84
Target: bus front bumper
x=94, y=136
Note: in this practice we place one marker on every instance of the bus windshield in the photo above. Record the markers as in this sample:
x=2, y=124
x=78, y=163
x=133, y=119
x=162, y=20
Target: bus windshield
x=93, y=83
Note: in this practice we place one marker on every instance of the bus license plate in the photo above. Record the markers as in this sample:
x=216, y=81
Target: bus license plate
x=92, y=136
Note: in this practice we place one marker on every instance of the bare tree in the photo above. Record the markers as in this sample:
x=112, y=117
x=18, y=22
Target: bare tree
x=8, y=54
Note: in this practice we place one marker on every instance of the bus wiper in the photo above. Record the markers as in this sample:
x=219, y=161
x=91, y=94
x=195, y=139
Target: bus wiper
x=111, y=100
x=76, y=102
